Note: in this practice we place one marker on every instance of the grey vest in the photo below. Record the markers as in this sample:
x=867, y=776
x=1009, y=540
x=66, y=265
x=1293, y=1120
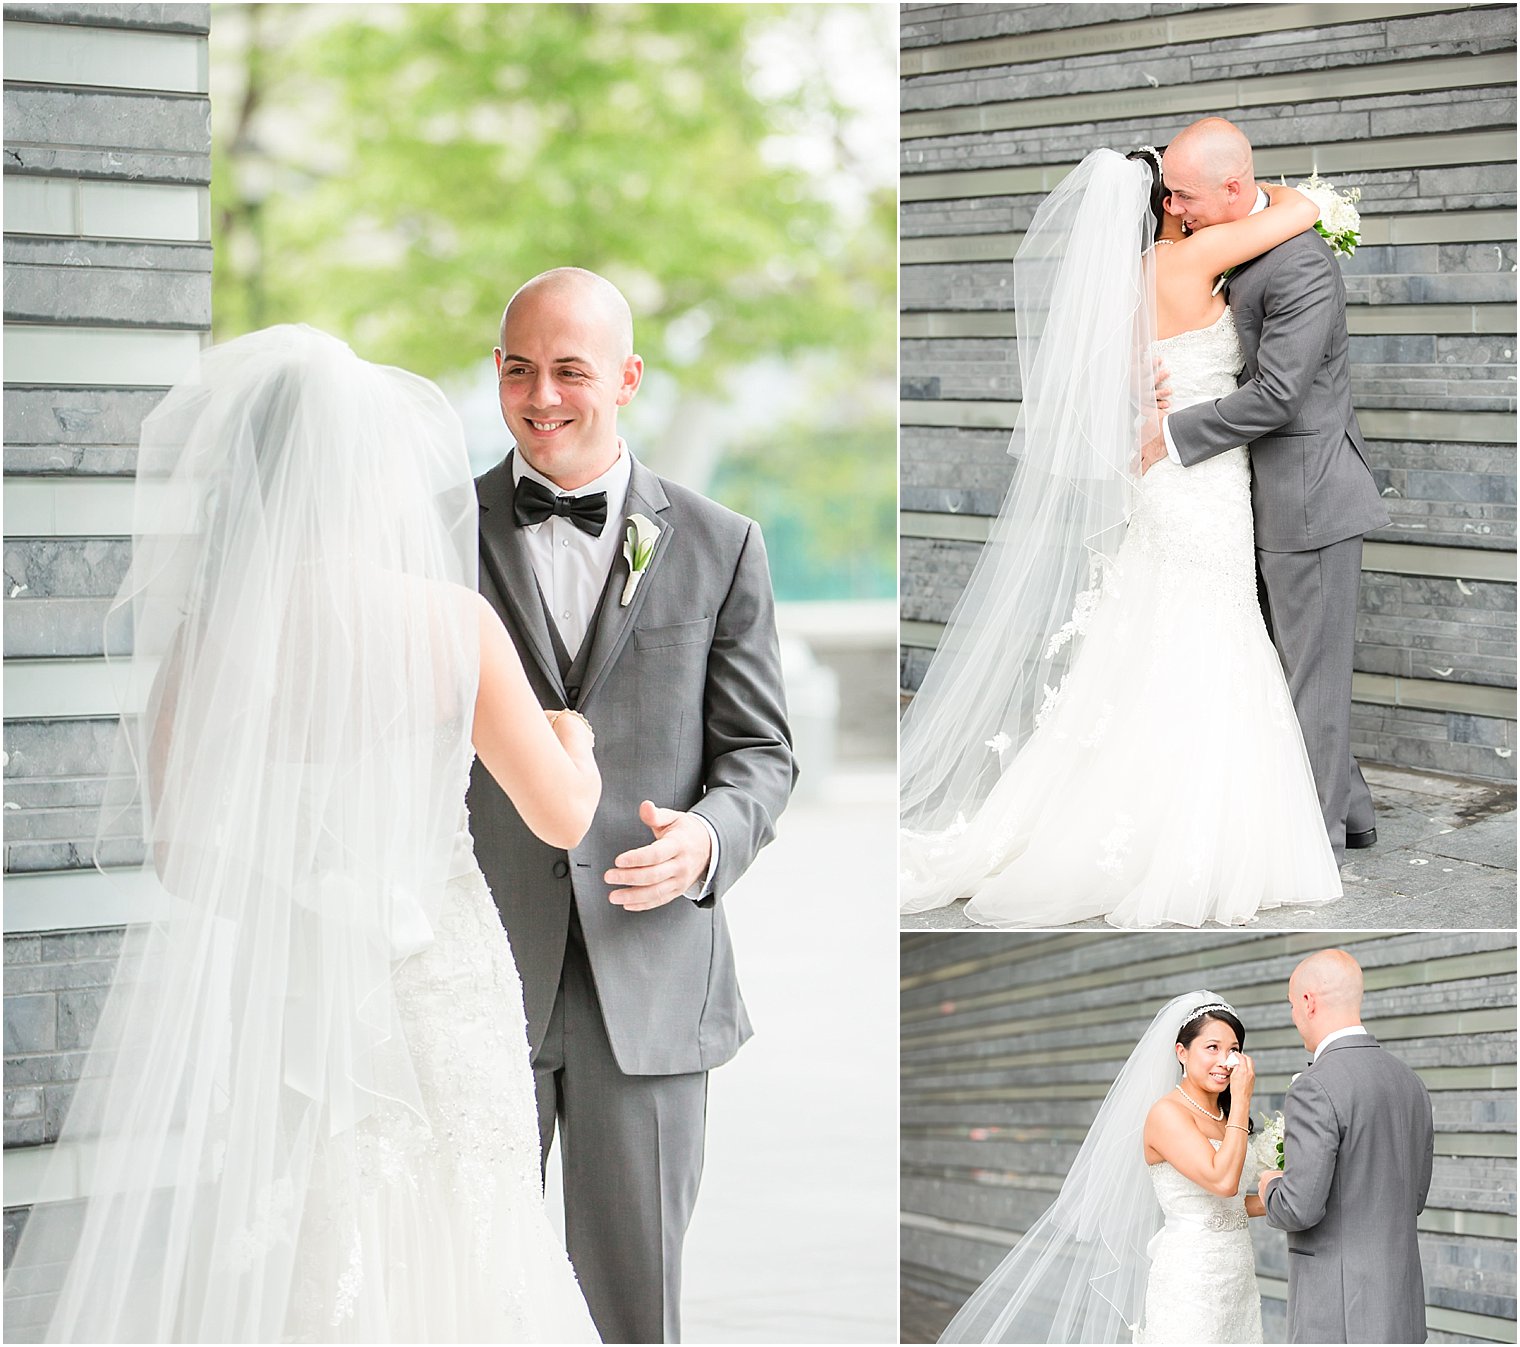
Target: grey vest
x=572, y=670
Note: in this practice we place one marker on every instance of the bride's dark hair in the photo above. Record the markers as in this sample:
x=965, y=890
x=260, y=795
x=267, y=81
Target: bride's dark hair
x=1193, y=1028
x=1150, y=156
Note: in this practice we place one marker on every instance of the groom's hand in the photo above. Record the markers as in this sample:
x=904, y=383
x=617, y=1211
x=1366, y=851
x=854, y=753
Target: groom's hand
x=1261, y=1183
x=668, y=866
x=1153, y=446
x=1162, y=377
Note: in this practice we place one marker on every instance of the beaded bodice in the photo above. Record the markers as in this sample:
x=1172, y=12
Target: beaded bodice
x=1203, y=363
x=1199, y=517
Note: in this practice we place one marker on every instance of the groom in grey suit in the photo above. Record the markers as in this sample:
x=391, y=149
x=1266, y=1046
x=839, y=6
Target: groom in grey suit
x=1312, y=490
x=670, y=652
x=1358, y=1154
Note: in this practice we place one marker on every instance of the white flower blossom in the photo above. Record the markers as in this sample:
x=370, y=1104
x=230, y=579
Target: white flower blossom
x=1273, y=1129
x=1339, y=220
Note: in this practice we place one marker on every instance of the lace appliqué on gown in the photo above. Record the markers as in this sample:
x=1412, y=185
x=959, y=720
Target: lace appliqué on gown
x=1202, y=1284
x=445, y=1236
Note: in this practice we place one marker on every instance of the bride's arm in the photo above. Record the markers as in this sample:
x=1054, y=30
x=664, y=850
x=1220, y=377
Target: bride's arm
x=1219, y=247
x=547, y=772
x=1170, y=1135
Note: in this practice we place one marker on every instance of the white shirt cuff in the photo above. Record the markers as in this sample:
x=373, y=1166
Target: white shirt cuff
x=698, y=890
x=1171, y=449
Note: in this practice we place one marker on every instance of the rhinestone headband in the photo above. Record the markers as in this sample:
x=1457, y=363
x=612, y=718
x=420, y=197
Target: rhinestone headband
x=1202, y=1011
x=1155, y=155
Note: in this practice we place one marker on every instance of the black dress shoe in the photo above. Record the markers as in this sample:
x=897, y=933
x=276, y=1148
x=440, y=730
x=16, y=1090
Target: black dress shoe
x=1360, y=841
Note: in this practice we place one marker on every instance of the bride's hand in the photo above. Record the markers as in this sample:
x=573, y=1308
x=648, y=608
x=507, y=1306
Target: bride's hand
x=1242, y=1079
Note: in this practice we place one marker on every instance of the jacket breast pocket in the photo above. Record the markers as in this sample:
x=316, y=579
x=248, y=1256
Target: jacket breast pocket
x=680, y=633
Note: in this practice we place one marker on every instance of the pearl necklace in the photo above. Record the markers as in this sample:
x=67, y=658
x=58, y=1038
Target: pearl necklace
x=1217, y=1117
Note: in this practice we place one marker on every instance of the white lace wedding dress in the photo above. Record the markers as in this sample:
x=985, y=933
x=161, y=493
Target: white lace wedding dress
x=446, y=1239
x=1167, y=779
x=1202, y=1284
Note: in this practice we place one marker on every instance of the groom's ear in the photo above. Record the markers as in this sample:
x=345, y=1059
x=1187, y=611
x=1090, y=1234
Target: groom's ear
x=633, y=376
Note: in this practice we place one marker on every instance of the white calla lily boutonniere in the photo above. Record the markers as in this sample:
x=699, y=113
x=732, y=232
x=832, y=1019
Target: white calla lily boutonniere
x=639, y=539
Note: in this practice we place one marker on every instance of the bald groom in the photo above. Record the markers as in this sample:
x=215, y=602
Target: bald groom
x=627, y=968
x=1358, y=1153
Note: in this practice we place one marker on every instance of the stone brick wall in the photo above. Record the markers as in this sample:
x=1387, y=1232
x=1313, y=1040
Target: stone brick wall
x=107, y=298
x=1010, y=1041
x=1412, y=103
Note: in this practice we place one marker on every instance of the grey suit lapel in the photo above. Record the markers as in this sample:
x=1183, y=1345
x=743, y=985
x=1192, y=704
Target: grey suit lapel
x=614, y=622
x=504, y=554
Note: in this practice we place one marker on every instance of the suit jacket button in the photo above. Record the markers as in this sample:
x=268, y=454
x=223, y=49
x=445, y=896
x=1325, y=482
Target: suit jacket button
x=573, y=692
x=561, y=869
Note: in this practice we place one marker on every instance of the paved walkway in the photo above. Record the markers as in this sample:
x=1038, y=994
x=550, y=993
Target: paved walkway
x=923, y=1318
x=1445, y=858
x=795, y=1233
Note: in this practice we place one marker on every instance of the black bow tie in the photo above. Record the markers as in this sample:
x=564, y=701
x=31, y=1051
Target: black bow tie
x=533, y=502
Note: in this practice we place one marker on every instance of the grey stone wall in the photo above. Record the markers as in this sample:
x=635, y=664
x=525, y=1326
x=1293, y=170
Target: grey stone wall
x=1009, y=1042
x=1415, y=105
x=107, y=286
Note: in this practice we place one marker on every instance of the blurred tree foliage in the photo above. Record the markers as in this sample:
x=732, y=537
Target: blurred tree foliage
x=394, y=173
x=391, y=173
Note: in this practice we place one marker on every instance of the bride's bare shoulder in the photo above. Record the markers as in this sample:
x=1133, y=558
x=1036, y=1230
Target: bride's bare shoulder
x=1164, y=1114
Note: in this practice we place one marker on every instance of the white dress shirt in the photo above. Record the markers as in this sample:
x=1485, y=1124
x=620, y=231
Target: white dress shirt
x=570, y=565
x=1334, y=1034
x=571, y=568
x=1166, y=430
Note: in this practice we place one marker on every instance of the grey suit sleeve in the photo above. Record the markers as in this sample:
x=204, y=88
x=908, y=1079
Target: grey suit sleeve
x=1302, y=309
x=1312, y=1140
x=750, y=769
x=1427, y=1157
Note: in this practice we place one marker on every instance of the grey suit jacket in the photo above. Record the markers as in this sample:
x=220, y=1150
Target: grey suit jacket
x=683, y=688
x=1357, y=1160
x=1311, y=484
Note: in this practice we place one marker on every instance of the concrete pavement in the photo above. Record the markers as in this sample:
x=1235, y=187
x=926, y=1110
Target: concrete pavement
x=1445, y=858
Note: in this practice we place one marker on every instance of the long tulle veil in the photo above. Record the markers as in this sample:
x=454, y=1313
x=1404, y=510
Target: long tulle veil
x=1079, y=1272
x=295, y=751
x=1083, y=295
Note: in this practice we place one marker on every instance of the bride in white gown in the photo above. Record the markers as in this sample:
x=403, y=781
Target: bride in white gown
x=1106, y=729
x=1147, y=1240
x=307, y=1113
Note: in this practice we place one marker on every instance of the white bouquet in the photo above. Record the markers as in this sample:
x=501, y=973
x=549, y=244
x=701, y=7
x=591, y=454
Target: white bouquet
x=1273, y=1129
x=1339, y=223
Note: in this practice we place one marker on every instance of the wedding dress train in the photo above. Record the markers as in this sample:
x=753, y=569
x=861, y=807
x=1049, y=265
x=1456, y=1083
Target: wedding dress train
x=1202, y=1284
x=1166, y=780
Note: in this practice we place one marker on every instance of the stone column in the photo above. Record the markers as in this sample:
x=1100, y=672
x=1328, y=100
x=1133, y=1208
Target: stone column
x=107, y=301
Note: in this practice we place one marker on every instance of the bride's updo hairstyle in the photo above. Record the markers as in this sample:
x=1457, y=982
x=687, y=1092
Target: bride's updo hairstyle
x=1194, y=1027
x=1150, y=156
